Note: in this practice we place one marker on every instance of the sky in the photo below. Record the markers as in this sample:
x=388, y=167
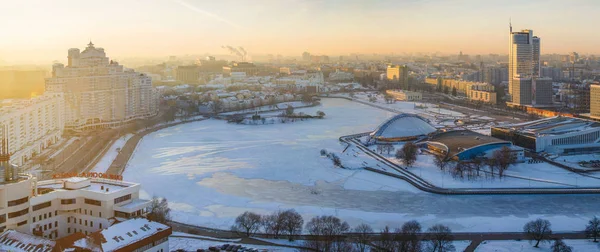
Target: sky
x=42, y=30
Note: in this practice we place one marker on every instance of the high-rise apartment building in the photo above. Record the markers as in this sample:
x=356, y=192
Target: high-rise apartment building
x=31, y=125
x=595, y=100
x=100, y=93
x=524, y=83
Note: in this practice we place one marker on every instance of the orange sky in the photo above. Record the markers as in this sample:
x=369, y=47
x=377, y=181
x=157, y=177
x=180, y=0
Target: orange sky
x=41, y=31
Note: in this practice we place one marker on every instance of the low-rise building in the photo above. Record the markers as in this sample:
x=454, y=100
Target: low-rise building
x=405, y=95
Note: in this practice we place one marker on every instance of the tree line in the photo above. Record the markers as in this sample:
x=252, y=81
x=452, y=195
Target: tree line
x=331, y=234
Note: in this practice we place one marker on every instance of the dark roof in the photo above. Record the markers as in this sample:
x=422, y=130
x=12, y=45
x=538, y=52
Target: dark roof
x=459, y=140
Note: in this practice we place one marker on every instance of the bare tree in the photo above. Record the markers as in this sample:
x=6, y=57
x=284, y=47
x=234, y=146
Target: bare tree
x=292, y=223
x=593, y=228
x=503, y=158
x=363, y=237
x=410, y=241
x=560, y=246
x=159, y=210
x=440, y=161
x=538, y=230
x=387, y=240
x=289, y=110
x=328, y=231
x=388, y=147
x=273, y=223
x=216, y=106
x=477, y=164
x=248, y=223
x=409, y=153
x=439, y=239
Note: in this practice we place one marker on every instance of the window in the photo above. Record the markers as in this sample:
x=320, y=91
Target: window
x=86, y=211
x=123, y=198
x=18, y=213
x=33, y=218
x=50, y=215
x=100, y=214
x=68, y=230
x=41, y=206
x=45, y=227
x=91, y=224
x=50, y=226
x=67, y=201
x=68, y=220
x=45, y=216
x=86, y=222
x=56, y=213
x=18, y=201
x=22, y=223
x=92, y=202
x=79, y=221
x=56, y=224
x=100, y=225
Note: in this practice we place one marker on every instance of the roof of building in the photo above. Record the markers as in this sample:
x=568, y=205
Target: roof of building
x=11, y=240
x=460, y=140
x=96, y=185
x=552, y=126
x=125, y=233
x=403, y=125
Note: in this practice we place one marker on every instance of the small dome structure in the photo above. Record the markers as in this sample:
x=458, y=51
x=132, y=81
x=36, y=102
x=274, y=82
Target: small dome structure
x=403, y=127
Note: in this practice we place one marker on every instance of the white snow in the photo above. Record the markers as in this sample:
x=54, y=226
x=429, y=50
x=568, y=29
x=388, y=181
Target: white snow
x=212, y=171
x=190, y=244
x=111, y=154
x=525, y=246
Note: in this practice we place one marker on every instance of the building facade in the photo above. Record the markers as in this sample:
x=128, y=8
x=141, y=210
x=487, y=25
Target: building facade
x=188, y=74
x=99, y=93
x=32, y=125
x=398, y=76
x=595, y=100
x=60, y=207
x=525, y=86
x=405, y=95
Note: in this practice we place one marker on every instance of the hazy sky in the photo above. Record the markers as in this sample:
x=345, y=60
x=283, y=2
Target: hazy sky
x=43, y=30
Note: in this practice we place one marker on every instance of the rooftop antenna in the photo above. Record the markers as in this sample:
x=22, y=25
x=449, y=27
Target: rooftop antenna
x=510, y=24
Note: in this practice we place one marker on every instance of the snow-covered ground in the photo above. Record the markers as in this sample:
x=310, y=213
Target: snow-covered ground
x=525, y=246
x=189, y=244
x=519, y=175
x=111, y=154
x=212, y=171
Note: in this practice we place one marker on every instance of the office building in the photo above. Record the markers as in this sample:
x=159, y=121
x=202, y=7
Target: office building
x=525, y=86
x=405, y=95
x=188, y=74
x=31, y=125
x=556, y=135
x=101, y=93
x=59, y=207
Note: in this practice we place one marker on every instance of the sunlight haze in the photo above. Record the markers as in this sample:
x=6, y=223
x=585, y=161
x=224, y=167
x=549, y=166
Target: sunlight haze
x=132, y=28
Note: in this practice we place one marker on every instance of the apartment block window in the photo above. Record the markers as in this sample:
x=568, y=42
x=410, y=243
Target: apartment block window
x=18, y=201
x=68, y=230
x=56, y=224
x=18, y=213
x=91, y=224
x=41, y=206
x=92, y=202
x=123, y=198
x=67, y=201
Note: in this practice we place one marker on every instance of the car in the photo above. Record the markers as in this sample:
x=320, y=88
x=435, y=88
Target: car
x=224, y=246
x=213, y=249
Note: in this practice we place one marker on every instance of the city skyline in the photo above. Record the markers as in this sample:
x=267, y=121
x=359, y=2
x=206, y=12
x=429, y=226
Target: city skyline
x=176, y=27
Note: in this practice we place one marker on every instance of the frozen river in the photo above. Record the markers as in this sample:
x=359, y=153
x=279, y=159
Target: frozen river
x=211, y=171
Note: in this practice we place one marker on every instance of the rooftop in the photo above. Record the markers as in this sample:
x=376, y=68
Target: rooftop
x=123, y=234
x=552, y=126
x=95, y=185
x=11, y=240
x=459, y=140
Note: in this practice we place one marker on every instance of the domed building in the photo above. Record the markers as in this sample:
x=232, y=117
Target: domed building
x=402, y=127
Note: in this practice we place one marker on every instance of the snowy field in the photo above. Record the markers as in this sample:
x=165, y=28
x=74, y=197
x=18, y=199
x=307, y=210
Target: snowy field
x=211, y=171
x=525, y=246
x=189, y=244
x=111, y=154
